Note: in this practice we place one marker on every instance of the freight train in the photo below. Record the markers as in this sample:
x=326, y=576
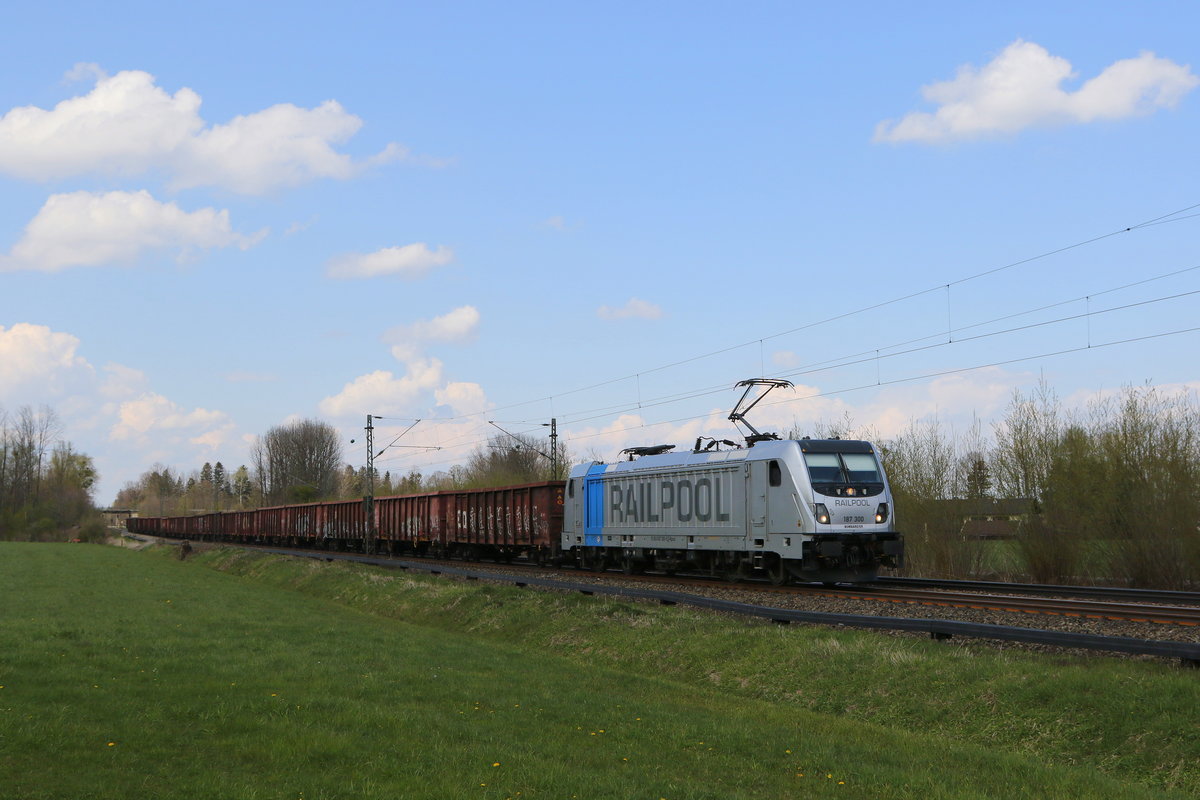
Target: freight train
x=808, y=509
x=796, y=509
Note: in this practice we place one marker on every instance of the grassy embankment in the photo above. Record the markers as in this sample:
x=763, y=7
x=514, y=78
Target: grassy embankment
x=129, y=675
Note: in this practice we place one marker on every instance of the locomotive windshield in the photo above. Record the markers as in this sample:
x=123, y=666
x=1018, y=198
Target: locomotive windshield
x=842, y=468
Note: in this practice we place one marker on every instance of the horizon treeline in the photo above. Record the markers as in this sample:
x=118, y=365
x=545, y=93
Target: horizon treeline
x=1110, y=494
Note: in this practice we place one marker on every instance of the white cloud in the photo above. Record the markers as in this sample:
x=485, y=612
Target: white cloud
x=463, y=398
x=151, y=412
x=634, y=309
x=283, y=145
x=127, y=125
x=34, y=354
x=456, y=326
x=86, y=229
x=1022, y=88
x=381, y=392
x=410, y=261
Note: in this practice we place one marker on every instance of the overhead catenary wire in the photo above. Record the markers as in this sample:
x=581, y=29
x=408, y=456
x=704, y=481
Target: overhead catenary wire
x=876, y=353
x=1178, y=215
x=909, y=379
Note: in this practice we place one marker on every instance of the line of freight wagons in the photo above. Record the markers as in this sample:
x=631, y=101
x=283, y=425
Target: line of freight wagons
x=504, y=523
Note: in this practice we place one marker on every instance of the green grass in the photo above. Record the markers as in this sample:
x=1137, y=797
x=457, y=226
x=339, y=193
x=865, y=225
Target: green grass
x=127, y=675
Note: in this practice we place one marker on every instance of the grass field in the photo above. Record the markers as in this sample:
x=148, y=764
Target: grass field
x=234, y=675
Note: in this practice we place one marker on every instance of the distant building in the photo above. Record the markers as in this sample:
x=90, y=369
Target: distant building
x=991, y=518
x=115, y=517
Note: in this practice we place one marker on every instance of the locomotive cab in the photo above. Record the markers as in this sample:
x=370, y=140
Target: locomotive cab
x=854, y=527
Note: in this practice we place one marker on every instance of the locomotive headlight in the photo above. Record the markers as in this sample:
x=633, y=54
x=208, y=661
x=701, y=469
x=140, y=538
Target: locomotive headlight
x=822, y=513
x=881, y=513
x=850, y=491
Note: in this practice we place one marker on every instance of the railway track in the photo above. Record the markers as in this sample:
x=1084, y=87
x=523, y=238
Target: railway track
x=716, y=596
x=1070, y=607
x=1067, y=607
x=971, y=595
x=1080, y=608
x=1170, y=597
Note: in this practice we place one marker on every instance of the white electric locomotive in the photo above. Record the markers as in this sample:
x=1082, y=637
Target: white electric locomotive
x=807, y=509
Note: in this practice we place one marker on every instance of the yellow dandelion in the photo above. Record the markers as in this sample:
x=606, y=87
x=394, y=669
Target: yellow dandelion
x=841, y=783
x=112, y=744
x=496, y=764
x=830, y=775
x=789, y=752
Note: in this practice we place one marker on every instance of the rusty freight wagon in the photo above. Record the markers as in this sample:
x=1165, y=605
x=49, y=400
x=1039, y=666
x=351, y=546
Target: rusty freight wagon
x=502, y=523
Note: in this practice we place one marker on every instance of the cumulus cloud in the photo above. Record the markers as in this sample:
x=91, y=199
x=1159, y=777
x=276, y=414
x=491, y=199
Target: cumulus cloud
x=463, y=398
x=382, y=392
x=128, y=125
x=457, y=326
x=1022, y=88
x=409, y=261
x=151, y=412
x=634, y=309
x=92, y=229
x=35, y=354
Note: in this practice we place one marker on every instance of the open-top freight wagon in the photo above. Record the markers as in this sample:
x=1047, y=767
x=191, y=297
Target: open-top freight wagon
x=505, y=523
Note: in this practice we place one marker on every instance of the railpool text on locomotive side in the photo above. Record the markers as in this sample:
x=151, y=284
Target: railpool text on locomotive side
x=682, y=500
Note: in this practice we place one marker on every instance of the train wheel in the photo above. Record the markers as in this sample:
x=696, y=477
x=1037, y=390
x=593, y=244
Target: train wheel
x=777, y=572
x=737, y=572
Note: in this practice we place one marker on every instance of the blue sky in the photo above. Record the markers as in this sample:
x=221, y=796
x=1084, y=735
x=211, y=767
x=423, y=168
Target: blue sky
x=218, y=218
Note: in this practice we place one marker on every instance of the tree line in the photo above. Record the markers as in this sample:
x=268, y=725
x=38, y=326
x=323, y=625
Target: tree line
x=45, y=484
x=1110, y=494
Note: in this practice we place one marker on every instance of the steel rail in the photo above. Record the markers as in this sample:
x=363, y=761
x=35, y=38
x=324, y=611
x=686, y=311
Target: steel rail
x=1098, y=592
x=1055, y=606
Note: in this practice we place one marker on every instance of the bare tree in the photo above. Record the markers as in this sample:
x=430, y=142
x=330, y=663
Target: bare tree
x=1026, y=441
x=29, y=442
x=510, y=459
x=298, y=462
